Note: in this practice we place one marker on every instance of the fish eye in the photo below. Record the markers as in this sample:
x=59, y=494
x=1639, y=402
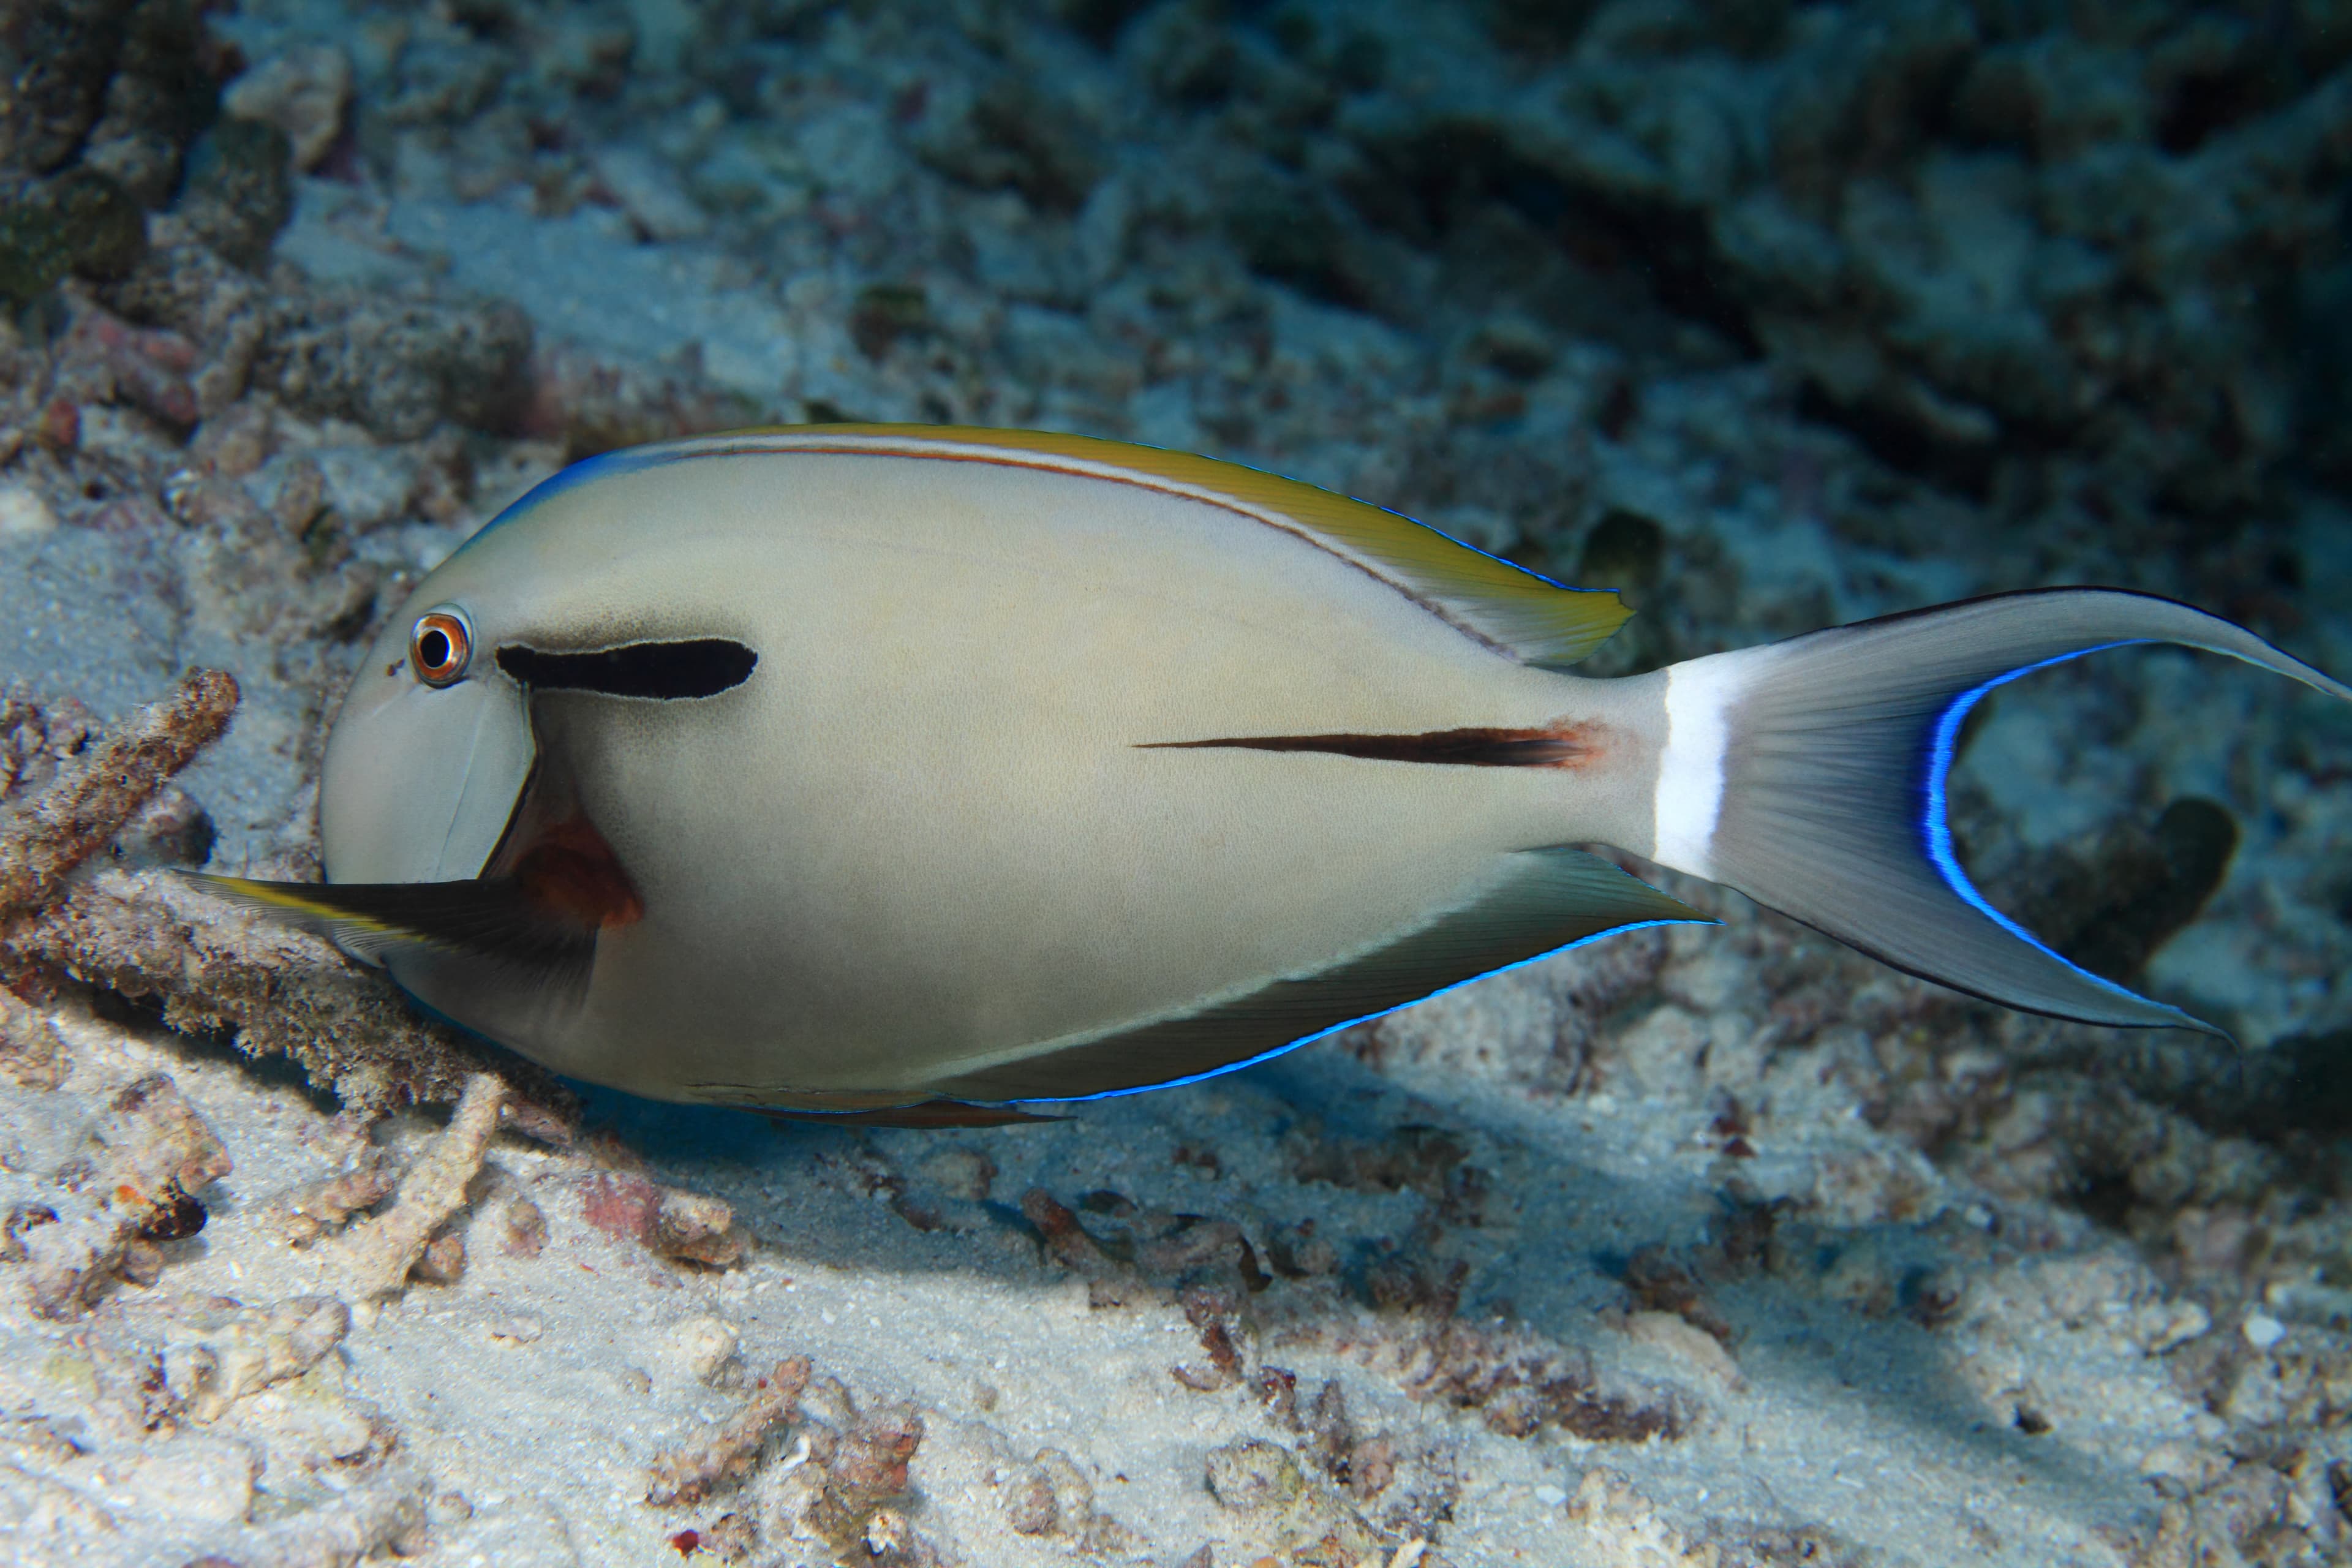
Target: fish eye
x=440, y=646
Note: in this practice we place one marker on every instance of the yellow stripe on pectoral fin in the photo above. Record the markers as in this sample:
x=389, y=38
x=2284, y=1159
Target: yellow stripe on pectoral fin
x=494, y=918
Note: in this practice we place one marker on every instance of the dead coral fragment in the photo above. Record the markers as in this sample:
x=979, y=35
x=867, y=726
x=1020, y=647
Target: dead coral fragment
x=1210, y=1310
x=1520, y=1389
x=1255, y=1474
x=76, y=816
x=1066, y=1241
x=1284, y=1512
x=526, y=1227
x=30, y=1052
x=1661, y=1283
x=1121, y=1257
x=731, y=1537
x=442, y=1261
x=865, y=1469
x=359, y=1524
x=688, y=1228
x=146, y=1156
x=1415, y=1157
x=1056, y=1499
x=380, y=1253
x=688, y=1473
x=274, y=990
x=1365, y=1466
x=1626, y=1524
x=325, y=1206
x=1031, y=1508
x=221, y=1350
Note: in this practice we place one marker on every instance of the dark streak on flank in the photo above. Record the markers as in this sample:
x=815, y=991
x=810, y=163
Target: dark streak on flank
x=1563, y=748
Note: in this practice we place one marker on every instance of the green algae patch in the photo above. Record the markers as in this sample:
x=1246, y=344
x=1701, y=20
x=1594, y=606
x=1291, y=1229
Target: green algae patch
x=81, y=223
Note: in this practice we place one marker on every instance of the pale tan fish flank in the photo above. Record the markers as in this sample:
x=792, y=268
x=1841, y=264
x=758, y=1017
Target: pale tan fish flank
x=890, y=773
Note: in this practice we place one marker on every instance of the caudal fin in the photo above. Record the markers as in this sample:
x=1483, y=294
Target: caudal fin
x=1810, y=774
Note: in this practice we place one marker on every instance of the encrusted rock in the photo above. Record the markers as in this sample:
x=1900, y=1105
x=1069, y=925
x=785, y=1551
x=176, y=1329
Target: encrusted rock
x=303, y=92
x=686, y=1474
x=399, y=366
x=701, y=1347
x=164, y=92
x=694, y=1228
x=141, y=1168
x=81, y=223
x=240, y=189
x=1253, y=1474
x=321, y=1207
x=60, y=66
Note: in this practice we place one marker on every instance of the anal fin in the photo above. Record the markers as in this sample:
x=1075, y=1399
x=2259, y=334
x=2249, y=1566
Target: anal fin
x=924, y=1113
x=858, y=1108
x=1542, y=901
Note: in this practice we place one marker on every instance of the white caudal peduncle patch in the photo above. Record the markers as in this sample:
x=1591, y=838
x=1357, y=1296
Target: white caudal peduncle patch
x=1699, y=695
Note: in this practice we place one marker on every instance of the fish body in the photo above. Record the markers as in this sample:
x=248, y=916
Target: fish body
x=859, y=768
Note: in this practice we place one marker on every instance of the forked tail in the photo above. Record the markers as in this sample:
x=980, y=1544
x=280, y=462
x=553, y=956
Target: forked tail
x=1810, y=774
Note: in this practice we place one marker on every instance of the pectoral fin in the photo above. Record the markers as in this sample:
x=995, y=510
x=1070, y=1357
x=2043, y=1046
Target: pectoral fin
x=496, y=918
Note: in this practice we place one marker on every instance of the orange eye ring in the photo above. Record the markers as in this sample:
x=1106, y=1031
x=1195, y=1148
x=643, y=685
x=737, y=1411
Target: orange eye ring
x=440, y=646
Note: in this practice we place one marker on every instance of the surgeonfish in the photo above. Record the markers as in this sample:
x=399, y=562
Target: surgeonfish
x=911, y=773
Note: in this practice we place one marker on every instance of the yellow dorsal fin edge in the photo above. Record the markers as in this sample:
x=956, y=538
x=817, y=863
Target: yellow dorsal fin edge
x=1527, y=615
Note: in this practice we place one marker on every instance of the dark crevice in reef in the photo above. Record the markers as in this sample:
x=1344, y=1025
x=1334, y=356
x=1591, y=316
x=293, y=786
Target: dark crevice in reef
x=2111, y=907
x=1427, y=188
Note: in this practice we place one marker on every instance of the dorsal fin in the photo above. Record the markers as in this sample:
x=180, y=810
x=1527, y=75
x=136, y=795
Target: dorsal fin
x=1511, y=609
